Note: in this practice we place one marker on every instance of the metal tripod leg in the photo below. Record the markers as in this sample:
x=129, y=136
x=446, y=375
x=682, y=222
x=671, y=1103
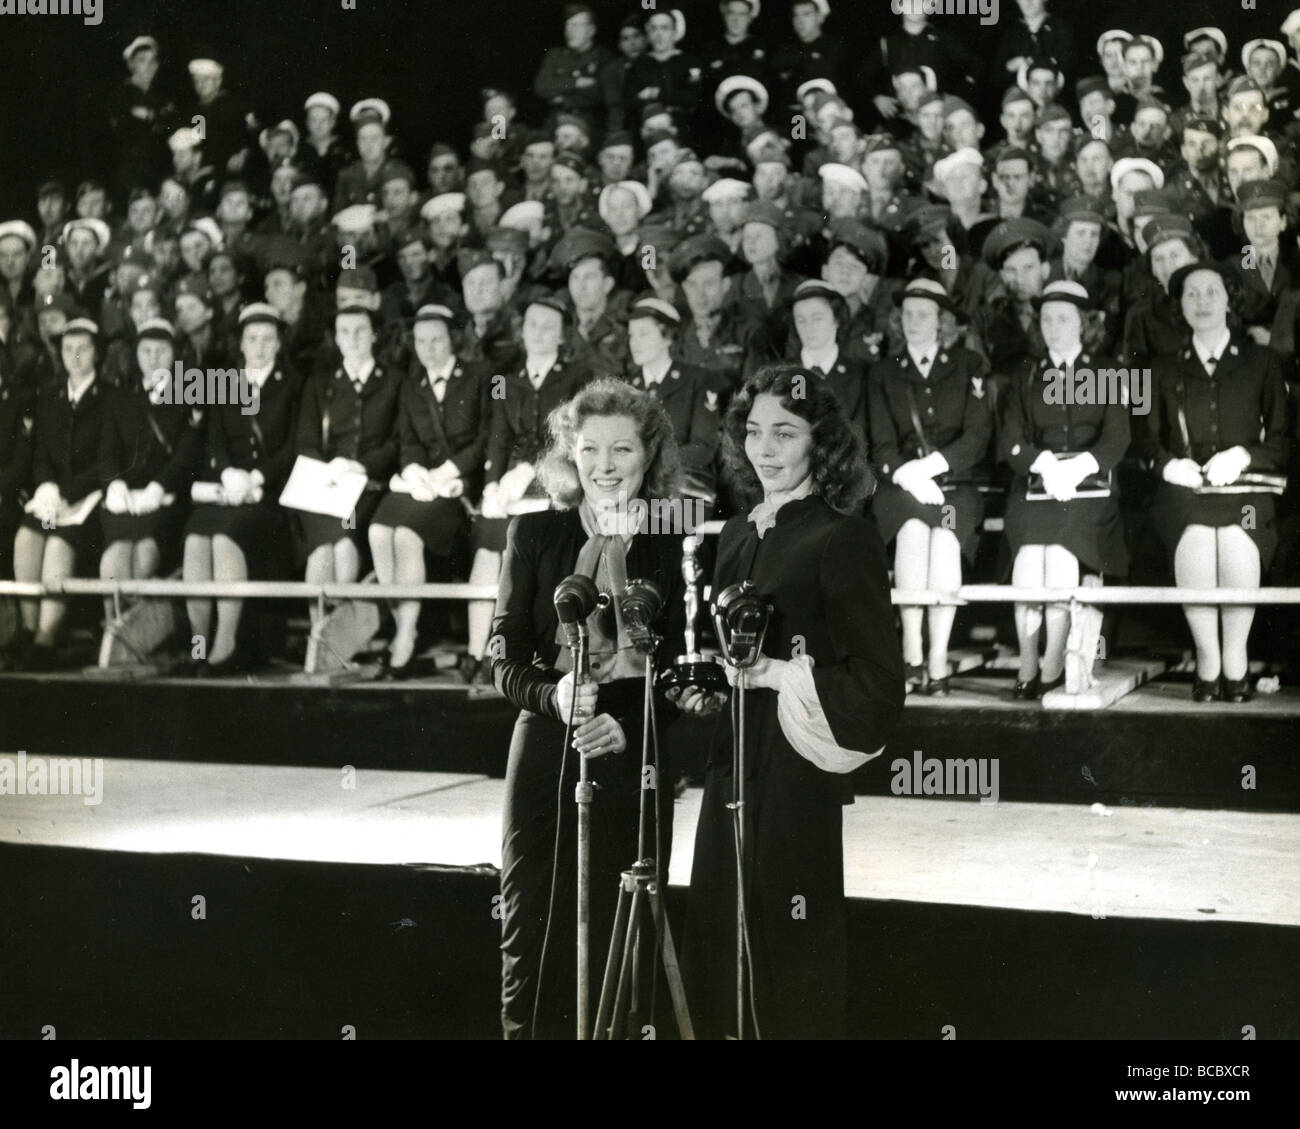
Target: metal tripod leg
x=637, y=888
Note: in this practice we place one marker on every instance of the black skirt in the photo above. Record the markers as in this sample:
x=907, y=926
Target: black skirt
x=1177, y=507
x=320, y=529
x=260, y=530
x=962, y=512
x=436, y=523
x=163, y=525
x=1090, y=528
x=86, y=540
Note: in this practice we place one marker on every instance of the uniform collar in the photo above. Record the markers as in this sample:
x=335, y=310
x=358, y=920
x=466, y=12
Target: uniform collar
x=362, y=374
x=443, y=373
x=1218, y=346
x=658, y=374
x=825, y=360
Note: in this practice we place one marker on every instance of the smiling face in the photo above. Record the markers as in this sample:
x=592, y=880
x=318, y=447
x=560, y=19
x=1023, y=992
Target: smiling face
x=1264, y=66
x=778, y=444
x=543, y=331
x=611, y=459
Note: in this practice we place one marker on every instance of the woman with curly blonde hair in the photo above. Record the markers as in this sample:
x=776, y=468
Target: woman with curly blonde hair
x=611, y=446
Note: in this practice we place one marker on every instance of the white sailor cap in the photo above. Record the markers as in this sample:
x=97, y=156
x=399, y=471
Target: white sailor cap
x=1291, y=24
x=20, y=228
x=260, y=312
x=1107, y=36
x=140, y=43
x=443, y=202
x=525, y=215
x=813, y=85
x=1220, y=40
x=206, y=68
x=370, y=110
x=1263, y=144
x=656, y=308
x=966, y=155
x=1126, y=165
x=98, y=228
x=434, y=312
x=286, y=126
x=209, y=228
x=834, y=173
x=81, y=325
x=728, y=188
x=325, y=101
x=184, y=138
x=737, y=82
x=638, y=190
x=1273, y=45
x=357, y=219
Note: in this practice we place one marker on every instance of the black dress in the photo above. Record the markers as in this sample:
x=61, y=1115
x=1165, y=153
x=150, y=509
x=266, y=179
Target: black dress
x=1243, y=404
x=953, y=408
x=65, y=451
x=542, y=550
x=826, y=578
x=15, y=460
x=519, y=432
x=339, y=422
x=263, y=441
x=431, y=433
x=1090, y=528
x=143, y=443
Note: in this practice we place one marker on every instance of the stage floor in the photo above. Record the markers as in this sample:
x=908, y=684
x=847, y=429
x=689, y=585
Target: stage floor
x=1134, y=862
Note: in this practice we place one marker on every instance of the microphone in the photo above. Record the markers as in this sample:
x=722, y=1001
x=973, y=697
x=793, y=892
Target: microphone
x=740, y=617
x=641, y=602
x=575, y=598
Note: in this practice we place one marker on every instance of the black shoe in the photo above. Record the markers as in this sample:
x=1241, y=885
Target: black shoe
x=468, y=667
x=1055, y=684
x=1028, y=691
x=1203, y=691
x=916, y=676
x=937, y=688
x=1237, y=690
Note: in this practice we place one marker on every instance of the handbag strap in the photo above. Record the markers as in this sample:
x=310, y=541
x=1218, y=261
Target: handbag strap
x=1179, y=395
x=915, y=413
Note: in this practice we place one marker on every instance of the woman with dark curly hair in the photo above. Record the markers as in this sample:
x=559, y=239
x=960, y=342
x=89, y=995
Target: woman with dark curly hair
x=823, y=698
x=612, y=455
x=1218, y=414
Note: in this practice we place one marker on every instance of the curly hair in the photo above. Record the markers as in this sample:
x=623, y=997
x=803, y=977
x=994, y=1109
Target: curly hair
x=557, y=471
x=1233, y=320
x=840, y=472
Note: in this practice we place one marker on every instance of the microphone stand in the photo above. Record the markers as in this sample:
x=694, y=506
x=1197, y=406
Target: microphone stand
x=583, y=796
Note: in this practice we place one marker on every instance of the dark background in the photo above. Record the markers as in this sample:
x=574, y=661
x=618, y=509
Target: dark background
x=428, y=59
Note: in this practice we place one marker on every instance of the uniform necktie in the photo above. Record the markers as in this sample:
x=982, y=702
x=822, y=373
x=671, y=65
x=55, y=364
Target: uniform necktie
x=1266, y=266
x=1210, y=363
x=440, y=388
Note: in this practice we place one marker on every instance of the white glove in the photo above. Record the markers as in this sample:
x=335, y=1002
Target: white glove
x=1227, y=466
x=1183, y=472
x=514, y=483
x=450, y=488
x=422, y=491
x=1057, y=482
x=1045, y=459
x=1075, y=470
x=237, y=484
x=45, y=502
x=447, y=471
x=933, y=465
x=925, y=490
x=117, y=497
x=147, y=501
x=493, y=506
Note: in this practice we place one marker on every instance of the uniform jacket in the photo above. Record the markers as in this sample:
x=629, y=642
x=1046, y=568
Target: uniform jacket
x=144, y=442
x=66, y=440
x=263, y=441
x=337, y=423
x=519, y=412
x=457, y=429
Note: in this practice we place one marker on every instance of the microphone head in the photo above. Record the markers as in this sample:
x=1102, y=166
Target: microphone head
x=576, y=597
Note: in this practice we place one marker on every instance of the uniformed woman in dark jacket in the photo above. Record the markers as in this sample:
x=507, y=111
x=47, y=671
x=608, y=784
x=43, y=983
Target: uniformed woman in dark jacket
x=442, y=426
x=818, y=312
x=348, y=420
x=682, y=389
x=1218, y=413
x=612, y=445
x=823, y=699
x=153, y=448
x=16, y=406
x=522, y=401
x=70, y=417
x=1065, y=426
x=931, y=425
x=237, y=530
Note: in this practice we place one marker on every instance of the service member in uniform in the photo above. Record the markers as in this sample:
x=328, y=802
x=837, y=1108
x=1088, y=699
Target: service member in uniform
x=1065, y=425
x=51, y=543
x=443, y=425
x=153, y=449
x=238, y=531
x=1218, y=410
x=931, y=422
